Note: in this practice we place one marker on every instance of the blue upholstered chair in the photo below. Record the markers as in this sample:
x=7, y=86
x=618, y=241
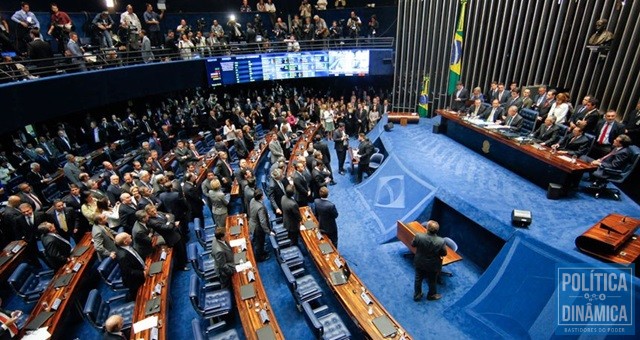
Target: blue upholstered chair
x=110, y=273
x=327, y=326
x=529, y=120
x=202, y=263
x=206, y=332
x=453, y=246
x=291, y=256
x=376, y=160
x=205, y=236
x=207, y=301
x=97, y=311
x=615, y=176
x=304, y=288
x=29, y=283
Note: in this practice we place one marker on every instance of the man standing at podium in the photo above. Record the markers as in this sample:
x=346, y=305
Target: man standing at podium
x=430, y=249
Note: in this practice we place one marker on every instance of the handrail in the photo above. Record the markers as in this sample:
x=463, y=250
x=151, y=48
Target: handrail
x=98, y=58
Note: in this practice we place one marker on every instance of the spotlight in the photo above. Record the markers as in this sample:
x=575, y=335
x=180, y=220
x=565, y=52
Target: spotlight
x=232, y=17
x=110, y=3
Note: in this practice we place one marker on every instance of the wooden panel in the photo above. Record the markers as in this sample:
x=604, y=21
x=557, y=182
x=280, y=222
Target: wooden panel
x=349, y=293
x=397, y=117
x=7, y=268
x=612, y=239
x=406, y=233
x=146, y=292
x=249, y=309
x=253, y=159
x=55, y=324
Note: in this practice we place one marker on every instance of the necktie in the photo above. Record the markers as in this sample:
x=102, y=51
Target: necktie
x=613, y=152
x=134, y=253
x=66, y=142
x=30, y=220
x=603, y=134
x=63, y=222
x=509, y=121
x=61, y=239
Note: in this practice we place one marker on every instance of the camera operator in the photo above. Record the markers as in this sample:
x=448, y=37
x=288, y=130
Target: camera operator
x=354, y=24
x=257, y=25
x=26, y=21
x=335, y=31
x=130, y=22
x=183, y=28
x=279, y=29
x=373, y=26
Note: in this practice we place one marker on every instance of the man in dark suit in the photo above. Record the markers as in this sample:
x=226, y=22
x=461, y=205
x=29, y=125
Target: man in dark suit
x=113, y=328
x=37, y=181
x=365, y=151
x=173, y=203
x=276, y=190
x=321, y=146
x=27, y=195
x=259, y=223
x=632, y=125
x=142, y=235
x=10, y=213
x=114, y=190
x=493, y=92
x=327, y=213
x=477, y=109
x=586, y=114
x=606, y=132
x=26, y=228
x=494, y=113
x=193, y=197
x=56, y=248
x=514, y=100
x=503, y=95
x=63, y=143
x=182, y=154
x=65, y=220
x=539, y=98
x=127, y=212
x=545, y=107
x=224, y=172
x=573, y=144
x=241, y=147
x=460, y=97
x=547, y=133
x=291, y=217
x=131, y=264
x=513, y=120
x=430, y=248
x=223, y=256
x=617, y=159
x=341, y=141
x=40, y=52
x=96, y=136
x=301, y=185
x=166, y=226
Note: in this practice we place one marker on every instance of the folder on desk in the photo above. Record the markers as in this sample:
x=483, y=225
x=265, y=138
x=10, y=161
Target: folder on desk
x=155, y=268
x=240, y=257
x=152, y=306
x=78, y=251
x=338, y=277
x=38, y=320
x=235, y=230
x=4, y=259
x=309, y=224
x=385, y=326
x=325, y=248
x=247, y=291
x=265, y=333
x=63, y=280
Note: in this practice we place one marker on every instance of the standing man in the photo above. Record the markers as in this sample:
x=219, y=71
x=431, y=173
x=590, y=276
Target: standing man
x=327, y=213
x=301, y=184
x=219, y=202
x=259, y=223
x=130, y=22
x=26, y=21
x=341, y=140
x=152, y=19
x=460, y=98
x=365, y=151
x=430, y=249
x=223, y=256
x=131, y=264
x=76, y=52
x=291, y=217
x=60, y=27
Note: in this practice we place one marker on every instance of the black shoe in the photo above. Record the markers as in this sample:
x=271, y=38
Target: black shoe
x=332, y=183
x=417, y=297
x=434, y=297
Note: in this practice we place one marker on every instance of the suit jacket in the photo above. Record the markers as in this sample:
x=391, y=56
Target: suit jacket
x=324, y=149
x=103, y=240
x=247, y=196
x=47, y=165
x=223, y=256
x=547, y=135
x=72, y=173
x=70, y=217
x=61, y=145
x=463, y=96
x=219, y=202
x=291, y=217
x=615, y=130
x=514, y=102
x=172, y=203
x=165, y=227
x=365, y=151
x=193, y=196
x=241, y=148
x=223, y=172
x=514, y=122
x=579, y=146
x=617, y=160
x=24, y=231
x=131, y=268
x=591, y=117
x=113, y=336
x=258, y=217
x=275, y=193
x=26, y=199
x=527, y=103
x=339, y=144
x=56, y=251
x=142, y=242
x=127, y=217
x=481, y=111
x=40, y=49
x=113, y=193
x=276, y=150
x=302, y=188
x=326, y=213
x=429, y=252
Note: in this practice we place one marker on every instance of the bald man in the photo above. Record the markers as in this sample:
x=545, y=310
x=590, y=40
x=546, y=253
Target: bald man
x=113, y=328
x=131, y=264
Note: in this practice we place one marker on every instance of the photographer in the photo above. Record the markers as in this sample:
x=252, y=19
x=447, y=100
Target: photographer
x=373, y=26
x=335, y=31
x=354, y=25
x=183, y=28
x=26, y=20
x=130, y=22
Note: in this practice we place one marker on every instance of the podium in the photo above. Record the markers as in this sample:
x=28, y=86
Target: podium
x=612, y=239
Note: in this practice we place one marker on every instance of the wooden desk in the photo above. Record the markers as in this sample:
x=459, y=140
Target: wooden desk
x=612, y=239
x=55, y=324
x=354, y=160
x=253, y=159
x=14, y=260
x=539, y=166
x=349, y=293
x=249, y=308
x=408, y=117
x=146, y=292
x=406, y=233
x=301, y=147
x=203, y=166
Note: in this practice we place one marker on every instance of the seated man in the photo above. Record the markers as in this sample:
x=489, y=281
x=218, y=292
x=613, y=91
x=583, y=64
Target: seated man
x=618, y=159
x=547, y=133
x=573, y=144
x=513, y=120
x=491, y=115
x=477, y=109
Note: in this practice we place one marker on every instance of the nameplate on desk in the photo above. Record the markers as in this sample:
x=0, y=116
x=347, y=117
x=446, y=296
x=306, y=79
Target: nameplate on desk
x=240, y=222
x=318, y=235
x=235, y=230
x=325, y=248
x=250, y=276
x=163, y=255
x=247, y=291
x=243, y=266
x=145, y=324
x=152, y=306
x=77, y=267
x=78, y=251
x=16, y=249
x=63, y=280
x=365, y=297
x=155, y=268
x=338, y=262
x=240, y=257
x=309, y=224
x=265, y=333
x=158, y=288
x=264, y=317
x=154, y=333
x=56, y=304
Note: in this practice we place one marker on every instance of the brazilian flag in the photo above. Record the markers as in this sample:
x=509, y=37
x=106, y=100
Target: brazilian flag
x=423, y=101
x=456, y=51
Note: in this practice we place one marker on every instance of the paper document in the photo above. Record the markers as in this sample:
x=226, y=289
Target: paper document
x=39, y=334
x=239, y=242
x=243, y=266
x=145, y=324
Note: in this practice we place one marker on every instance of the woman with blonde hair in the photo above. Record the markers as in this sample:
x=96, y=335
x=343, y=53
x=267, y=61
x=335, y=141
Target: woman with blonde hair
x=560, y=108
x=327, y=118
